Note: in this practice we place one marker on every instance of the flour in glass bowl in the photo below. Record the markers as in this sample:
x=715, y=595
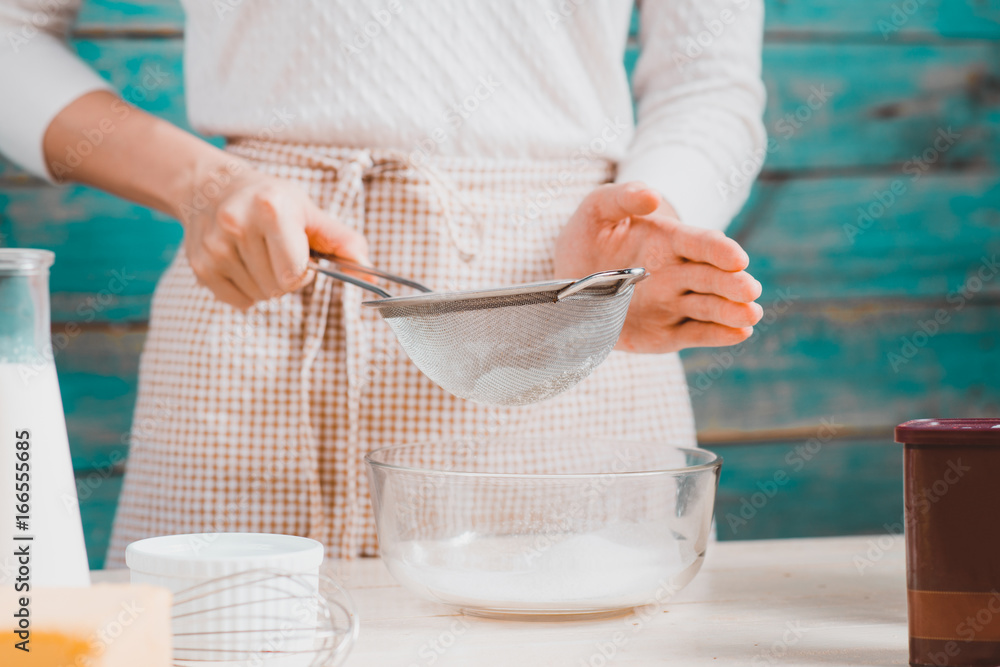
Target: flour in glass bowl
x=531, y=572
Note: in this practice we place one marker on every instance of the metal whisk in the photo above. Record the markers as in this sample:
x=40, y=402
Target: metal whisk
x=505, y=346
x=263, y=618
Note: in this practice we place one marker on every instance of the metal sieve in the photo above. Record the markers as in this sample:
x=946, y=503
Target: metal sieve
x=505, y=346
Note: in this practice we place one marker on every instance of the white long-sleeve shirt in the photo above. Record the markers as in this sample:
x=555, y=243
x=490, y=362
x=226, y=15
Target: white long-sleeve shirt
x=507, y=78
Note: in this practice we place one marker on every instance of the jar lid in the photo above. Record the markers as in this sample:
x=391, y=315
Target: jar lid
x=16, y=261
x=962, y=432
x=221, y=554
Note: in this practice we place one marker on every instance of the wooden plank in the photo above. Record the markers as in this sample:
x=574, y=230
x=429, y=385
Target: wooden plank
x=870, y=105
x=116, y=17
x=802, y=234
x=109, y=253
x=881, y=19
x=98, y=492
x=862, y=365
x=859, y=366
x=847, y=106
x=829, y=105
x=147, y=72
x=749, y=217
x=98, y=378
x=905, y=234
x=818, y=486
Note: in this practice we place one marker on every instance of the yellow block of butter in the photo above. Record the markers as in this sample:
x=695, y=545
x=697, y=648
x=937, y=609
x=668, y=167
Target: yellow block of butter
x=106, y=625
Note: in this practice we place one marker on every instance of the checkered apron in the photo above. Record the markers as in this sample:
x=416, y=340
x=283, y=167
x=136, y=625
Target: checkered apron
x=260, y=421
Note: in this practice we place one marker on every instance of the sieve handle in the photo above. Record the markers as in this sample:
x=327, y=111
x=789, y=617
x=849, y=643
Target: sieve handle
x=371, y=271
x=624, y=277
x=363, y=284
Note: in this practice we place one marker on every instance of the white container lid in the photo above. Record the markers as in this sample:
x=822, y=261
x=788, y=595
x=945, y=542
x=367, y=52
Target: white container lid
x=220, y=554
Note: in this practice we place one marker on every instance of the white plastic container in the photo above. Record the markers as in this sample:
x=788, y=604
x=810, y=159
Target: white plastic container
x=236, y=621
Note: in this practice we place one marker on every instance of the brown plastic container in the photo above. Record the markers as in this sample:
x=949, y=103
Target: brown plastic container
x=952, y=499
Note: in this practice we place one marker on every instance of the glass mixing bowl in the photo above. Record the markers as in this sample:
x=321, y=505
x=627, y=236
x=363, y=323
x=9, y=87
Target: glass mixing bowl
x=543, y=529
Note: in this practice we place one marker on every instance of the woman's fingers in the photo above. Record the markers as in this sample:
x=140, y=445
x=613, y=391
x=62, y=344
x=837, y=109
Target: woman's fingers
x=333, y=238
x=276, y=219
x=711, y=308
x=706, y=279
x=227, y=262
x=709, y=246
x=219, y=250
x=255, y=256
x=255, y=244
x=224, y=289
x=695, y=333
x=237, y=274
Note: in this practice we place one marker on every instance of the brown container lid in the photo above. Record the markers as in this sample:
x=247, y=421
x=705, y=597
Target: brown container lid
x=961, y=432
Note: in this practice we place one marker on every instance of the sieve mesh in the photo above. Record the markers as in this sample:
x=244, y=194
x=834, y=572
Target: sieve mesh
x=512, y=349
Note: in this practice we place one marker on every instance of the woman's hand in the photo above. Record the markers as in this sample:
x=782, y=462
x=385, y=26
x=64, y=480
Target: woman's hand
x=247, y=234
x=697, y=293
x=250, y=242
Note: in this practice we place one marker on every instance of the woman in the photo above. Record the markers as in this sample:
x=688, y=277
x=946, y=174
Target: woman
x=465, y=144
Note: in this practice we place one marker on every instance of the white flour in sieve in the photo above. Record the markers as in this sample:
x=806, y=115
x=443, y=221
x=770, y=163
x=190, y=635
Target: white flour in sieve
x=529, y=571
x=524, y=385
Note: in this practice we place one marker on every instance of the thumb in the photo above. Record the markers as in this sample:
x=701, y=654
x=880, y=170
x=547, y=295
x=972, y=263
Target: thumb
x=334, y=238
x=623, y=200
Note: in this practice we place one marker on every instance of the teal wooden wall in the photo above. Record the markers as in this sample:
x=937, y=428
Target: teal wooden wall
x=811, y=399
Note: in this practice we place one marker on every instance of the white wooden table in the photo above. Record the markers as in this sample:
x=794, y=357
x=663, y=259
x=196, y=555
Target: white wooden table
x=832, y=601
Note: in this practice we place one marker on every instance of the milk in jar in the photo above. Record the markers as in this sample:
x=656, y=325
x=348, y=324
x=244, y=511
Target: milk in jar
x=41, y=536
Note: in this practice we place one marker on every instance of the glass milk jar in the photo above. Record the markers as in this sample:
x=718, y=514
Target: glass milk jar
x=41, y=537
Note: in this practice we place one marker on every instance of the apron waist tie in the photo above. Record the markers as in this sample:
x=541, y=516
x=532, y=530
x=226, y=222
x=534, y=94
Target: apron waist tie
x=347, y=206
